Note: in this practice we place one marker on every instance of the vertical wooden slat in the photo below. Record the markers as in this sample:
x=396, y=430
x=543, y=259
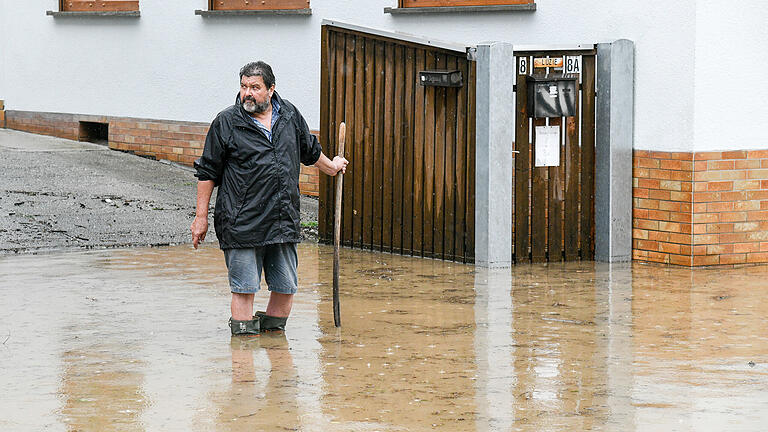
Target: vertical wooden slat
x=556, y=196
x=419, y=98
x=349, y=119
x=389, y=103
x=538, y=206
x=522, y=173
x=408, y=153
x=429, y=164
x=397, y=144
x=358, y=143
x=338, y=108
x=335, y=104
x=571, y=236
x=378, y=158
x=438, y=228
x=461, y=160
x=469, y=236
x=449, y=200
x=587, y=242
x=369, y=164
x=326, y=59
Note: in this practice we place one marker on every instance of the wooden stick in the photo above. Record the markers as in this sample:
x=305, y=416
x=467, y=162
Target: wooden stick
x=337, y=229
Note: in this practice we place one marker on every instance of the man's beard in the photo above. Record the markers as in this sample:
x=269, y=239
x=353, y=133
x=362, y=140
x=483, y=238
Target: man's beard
x=251, y=106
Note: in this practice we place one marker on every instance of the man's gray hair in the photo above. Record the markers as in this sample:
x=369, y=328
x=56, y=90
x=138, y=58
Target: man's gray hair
x=259, y=68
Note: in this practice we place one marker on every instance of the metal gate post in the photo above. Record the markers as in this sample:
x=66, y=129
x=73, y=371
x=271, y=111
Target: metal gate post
x=613, y=150
x=494, y=133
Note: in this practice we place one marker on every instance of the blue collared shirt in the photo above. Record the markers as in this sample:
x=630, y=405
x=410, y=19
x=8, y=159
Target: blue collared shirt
x=275, y=115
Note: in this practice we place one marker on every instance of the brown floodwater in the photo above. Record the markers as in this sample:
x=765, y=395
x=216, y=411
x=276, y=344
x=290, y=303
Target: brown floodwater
x=137, y=340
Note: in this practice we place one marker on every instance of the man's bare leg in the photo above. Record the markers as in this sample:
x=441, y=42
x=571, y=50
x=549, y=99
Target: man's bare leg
x=242, y=307
x=279, y=304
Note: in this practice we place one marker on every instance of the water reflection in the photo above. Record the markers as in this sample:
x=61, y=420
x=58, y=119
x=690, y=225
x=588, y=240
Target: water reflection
x=263, y=389
x=615, y=344
x=494, y=344
x=425, y=345
x=559, y=378
x=101, y=391
x=700, y=347
x=403, y=358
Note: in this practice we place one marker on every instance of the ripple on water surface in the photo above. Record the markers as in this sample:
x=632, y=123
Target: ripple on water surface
x=136, y=339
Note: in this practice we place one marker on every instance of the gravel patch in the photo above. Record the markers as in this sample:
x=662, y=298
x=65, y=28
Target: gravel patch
x=60, y=194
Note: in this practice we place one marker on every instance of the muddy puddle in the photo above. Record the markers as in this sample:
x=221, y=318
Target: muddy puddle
x=137, y=340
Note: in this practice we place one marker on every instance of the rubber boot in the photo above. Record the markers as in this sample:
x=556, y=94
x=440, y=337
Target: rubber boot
x=270, y=323
x=244, y=328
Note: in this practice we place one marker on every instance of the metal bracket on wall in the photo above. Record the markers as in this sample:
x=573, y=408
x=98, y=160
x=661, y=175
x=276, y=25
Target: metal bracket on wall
x=471, y=53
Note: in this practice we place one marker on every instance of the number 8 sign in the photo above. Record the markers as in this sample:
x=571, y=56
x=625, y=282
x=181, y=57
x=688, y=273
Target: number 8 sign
x=522, y=68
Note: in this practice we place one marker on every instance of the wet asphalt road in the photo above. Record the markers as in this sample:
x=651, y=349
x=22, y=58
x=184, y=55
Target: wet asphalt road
x=61, y=194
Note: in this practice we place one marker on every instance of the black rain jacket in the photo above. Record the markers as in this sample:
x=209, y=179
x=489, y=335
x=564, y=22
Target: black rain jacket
x=258, y=198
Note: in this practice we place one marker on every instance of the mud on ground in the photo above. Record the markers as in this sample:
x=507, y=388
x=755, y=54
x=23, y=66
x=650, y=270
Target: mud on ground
x=61, y=194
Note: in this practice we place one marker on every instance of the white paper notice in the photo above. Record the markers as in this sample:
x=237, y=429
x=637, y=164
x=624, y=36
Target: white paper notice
x=547, y=146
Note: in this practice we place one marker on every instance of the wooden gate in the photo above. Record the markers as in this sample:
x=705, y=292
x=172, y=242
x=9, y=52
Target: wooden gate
x=554, y=217
x=409, y=187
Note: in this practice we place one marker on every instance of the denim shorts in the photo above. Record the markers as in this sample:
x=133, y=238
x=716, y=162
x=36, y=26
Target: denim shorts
x=279, y=262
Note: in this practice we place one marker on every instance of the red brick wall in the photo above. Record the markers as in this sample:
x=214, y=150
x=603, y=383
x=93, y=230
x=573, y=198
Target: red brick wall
x=175, y=141
x=60, y=125
x=309, y=181
x=705, y=208
x=730, y=199
x=662, y=199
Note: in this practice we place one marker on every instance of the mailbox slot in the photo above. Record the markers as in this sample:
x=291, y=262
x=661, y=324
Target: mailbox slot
x=441, y=78
x=552, y=95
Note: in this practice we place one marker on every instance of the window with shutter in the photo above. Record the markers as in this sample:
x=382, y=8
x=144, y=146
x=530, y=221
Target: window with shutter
x=452, y=3
x=241, y=5
x=99, y=6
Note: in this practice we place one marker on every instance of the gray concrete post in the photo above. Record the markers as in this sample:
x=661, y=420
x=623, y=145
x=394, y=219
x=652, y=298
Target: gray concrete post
x=494, y=164
x=613, y=154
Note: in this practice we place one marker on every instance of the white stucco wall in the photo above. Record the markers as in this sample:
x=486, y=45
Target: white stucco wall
x=731, y=82
x=172, y=64
x=168, y=64
x=3, y=42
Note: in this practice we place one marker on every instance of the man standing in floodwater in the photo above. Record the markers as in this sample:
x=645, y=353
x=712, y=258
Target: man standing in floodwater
x=252, y=153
